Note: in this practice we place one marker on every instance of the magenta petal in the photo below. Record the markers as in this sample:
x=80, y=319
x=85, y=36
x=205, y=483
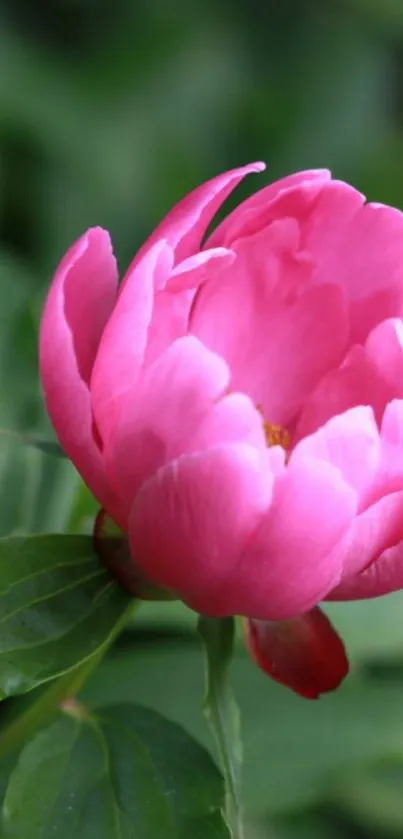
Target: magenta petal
x=121, y=351
x=172, y=305
x=383, y=576
x=199, y=267
x=370, y=375
x=360, y=246
x=233, y=419
x=351, y=442
x=154, y=429
x=190, y=522
x=78, y=305
x=278, y=333
x=370, y=551
x=157, y=425
x=305, y=654
x=185, y=225
x=294, y=192
x=292, y=562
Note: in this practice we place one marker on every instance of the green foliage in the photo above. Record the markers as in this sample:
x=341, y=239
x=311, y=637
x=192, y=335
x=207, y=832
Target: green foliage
x=124, y=772
x=292, y=747
x=58, y=607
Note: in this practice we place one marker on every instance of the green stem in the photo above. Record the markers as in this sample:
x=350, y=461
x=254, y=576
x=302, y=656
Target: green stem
x=222, y=712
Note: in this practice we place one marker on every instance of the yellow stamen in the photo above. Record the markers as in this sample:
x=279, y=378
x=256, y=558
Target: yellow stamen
x=276, y=435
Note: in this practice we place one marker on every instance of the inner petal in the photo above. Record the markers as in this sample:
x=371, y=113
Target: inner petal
x=370, y=375
x=277, y=332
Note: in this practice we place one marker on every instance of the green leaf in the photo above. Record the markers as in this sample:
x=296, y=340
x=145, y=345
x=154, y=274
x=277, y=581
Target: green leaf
x=58, y=607
x=222, y=711
x=126, y=773
x=292, y=747
x=45, y=446
x=22, y=716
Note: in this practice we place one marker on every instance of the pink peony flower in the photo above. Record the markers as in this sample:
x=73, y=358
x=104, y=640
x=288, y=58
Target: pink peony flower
x=236, y=405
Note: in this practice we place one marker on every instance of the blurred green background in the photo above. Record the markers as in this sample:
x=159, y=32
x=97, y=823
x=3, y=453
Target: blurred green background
x=109, y=111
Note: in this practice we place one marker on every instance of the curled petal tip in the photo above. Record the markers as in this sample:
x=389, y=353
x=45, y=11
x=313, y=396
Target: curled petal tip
x=259, y=166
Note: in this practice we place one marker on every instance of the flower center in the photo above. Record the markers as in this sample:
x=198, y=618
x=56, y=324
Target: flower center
x=276, y=435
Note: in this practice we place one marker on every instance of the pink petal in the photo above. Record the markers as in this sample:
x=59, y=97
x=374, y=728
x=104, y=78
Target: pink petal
x=233, y=419
x=371, y=545
x=389, y=474
x=179, y=235
x=350, y=441
x=305, y=654
x=361, y=247
x=199, y=268
x=369, y=461
x=166, y=412
x=289, y=564
x=294, y=191
x=77, y=308
x=172, y=305
x=355, y=382
x=373, y=552
x=185, y=225
x=384, y=348
x=121, y=351
x=192, y=519
x=369, y=376
x=278, y=336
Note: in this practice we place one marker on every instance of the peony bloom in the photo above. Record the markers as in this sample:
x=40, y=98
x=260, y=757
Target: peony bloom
x=236, y=404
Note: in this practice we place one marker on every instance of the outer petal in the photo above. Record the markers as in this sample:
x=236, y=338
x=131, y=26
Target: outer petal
x=351, y=442
x=178, y=237
x=158, y=425
x=79, y=303
x=185, y=225
x=305, y=654
x=121, y=352
x=375, y=544
x=291, y=562
x=372, y=548
x=173, y=397
x=390, y=473
x=191, y=521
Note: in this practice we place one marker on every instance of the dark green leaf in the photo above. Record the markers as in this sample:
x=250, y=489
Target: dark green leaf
x=292, y=747
x=126, y=773
x=58, y=607
x=22, y=716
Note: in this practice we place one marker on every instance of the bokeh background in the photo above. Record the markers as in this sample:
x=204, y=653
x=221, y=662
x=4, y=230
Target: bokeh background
x=109, y=111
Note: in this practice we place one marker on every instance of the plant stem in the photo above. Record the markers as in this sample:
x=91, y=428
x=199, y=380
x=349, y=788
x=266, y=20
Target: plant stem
x=222, y=712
